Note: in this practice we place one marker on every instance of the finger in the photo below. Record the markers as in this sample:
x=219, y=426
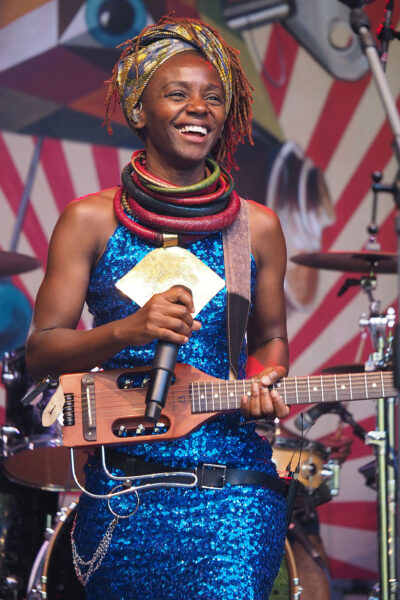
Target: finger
x=179, y=326
x=171, y=336
x=180, y=295
x=196, y=326
x=179, y=312
x=280, y=408
x=245, y=407
x=255, y=407
x=266, y=405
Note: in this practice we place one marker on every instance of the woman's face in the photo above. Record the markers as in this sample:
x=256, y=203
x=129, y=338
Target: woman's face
x=183, y=112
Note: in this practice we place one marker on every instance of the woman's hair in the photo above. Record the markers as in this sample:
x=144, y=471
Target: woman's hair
x=129, y=77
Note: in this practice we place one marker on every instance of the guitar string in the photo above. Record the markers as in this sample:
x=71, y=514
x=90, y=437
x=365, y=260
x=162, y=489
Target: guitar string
x=303, y=383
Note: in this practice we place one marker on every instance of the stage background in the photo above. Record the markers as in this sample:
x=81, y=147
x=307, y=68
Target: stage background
x=318, y=139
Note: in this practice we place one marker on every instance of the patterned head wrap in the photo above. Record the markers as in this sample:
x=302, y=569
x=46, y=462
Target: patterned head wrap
x=154, y=45
x=158, y=44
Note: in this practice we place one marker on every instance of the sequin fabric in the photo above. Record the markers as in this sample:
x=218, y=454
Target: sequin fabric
x=210, y=544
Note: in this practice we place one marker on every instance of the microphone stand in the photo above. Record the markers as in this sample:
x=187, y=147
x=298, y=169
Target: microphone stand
x=389, y=517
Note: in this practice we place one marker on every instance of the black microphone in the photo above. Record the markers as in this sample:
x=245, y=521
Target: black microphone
x=385, y=33
x=160, y=376
x=308, y=418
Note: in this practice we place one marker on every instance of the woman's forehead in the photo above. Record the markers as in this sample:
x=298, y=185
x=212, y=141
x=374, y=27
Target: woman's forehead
x=185, y=66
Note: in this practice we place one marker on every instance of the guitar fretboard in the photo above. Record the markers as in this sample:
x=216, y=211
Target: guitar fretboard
x=220, y=395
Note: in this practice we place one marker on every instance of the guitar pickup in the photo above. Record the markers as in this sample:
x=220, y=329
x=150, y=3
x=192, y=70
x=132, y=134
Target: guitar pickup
x=88, y=407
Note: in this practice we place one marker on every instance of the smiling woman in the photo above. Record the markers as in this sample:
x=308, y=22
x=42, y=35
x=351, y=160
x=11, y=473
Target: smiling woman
x=182, y=116
x=183, y=91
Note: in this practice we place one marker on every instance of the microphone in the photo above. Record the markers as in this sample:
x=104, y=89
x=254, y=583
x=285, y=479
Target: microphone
x=385, y=33
x=308, y=418
x=160, y=376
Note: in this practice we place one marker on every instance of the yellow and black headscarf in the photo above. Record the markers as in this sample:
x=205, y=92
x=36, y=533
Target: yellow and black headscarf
x=155, y=44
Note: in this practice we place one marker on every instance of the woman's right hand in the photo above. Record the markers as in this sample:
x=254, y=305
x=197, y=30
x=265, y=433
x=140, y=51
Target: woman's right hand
x=166, y=316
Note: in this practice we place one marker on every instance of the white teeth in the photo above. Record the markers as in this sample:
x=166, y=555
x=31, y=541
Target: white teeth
x=193, y=129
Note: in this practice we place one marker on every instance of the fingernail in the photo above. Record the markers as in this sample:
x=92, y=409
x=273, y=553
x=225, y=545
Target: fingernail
x=265, y=380
x=245, y=401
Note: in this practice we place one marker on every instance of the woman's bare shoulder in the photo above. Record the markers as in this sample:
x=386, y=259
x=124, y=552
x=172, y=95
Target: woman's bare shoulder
x=266, y=233
x=87, y=223
x=262, y=218
x=94, y=207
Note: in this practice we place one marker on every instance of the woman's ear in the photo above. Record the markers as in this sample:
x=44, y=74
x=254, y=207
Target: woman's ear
x=138, y=119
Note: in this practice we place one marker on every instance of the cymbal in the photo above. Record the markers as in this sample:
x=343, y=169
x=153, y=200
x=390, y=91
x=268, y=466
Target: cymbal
x=12, y=263
x=350, y=368
x=356, y=262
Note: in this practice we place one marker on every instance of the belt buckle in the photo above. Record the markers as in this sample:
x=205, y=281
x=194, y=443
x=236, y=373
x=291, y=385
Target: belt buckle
x=207, y=467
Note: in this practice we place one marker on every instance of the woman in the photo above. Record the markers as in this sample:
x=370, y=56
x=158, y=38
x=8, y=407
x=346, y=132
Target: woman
x=183, y=91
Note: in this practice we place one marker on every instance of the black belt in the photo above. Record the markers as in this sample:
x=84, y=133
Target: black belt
x=209, y=476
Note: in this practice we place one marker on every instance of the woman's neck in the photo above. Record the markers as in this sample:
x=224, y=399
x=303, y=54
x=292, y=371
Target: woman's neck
x=177, y=176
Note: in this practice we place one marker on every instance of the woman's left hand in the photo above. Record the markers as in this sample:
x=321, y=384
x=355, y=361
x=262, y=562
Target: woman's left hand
x=264, y=403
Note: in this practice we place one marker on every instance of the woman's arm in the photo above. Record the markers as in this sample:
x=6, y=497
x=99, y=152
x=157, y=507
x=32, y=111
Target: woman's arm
x=54, y=345
x=266, y=334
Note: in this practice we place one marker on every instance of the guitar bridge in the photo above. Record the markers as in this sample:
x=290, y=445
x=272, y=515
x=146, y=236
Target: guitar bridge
x=88, y=408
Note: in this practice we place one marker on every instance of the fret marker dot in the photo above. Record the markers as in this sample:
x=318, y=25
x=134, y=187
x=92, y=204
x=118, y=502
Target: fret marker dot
x=278, y=385
x=315, y=389
x=215, y=395
x=342, y=387
x=231, y=394
x=202, y=397
x=374, y=385
x=248, y=394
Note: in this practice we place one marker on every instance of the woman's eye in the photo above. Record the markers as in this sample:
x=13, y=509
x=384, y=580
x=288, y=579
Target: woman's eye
x=176, y=94
x=215, y=99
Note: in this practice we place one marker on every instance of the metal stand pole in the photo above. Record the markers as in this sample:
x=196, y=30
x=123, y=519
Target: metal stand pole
x=391, y=492
x=377, y=438
x=389, y=515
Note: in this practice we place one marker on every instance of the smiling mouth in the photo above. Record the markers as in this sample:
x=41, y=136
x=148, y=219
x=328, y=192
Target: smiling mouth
x=193, y=129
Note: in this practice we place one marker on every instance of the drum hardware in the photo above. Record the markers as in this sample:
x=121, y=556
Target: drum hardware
x=312, y=456
x=52, y=575
x=33, y=455
x=330, y=475
x=13, y=584
x=380, y=328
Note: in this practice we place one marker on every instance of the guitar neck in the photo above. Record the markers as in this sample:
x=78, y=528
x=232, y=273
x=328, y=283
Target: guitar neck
x=219, y=395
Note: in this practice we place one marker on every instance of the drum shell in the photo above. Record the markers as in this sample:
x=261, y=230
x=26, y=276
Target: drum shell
x=53, y=574
x=287, y=584
x=312, y=457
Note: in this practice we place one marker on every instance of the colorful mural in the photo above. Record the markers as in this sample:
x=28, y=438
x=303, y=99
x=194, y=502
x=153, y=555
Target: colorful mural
x=320, y=131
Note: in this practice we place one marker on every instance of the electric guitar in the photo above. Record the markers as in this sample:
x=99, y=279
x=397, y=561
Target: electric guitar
x=103, y=408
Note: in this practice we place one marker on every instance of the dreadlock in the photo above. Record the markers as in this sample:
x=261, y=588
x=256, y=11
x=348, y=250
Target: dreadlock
x=238, y=121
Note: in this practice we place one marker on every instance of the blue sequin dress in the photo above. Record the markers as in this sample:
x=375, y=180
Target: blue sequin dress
x=182, y=543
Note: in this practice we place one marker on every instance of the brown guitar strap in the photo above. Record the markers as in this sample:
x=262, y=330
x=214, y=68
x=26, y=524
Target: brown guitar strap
x=237, y=257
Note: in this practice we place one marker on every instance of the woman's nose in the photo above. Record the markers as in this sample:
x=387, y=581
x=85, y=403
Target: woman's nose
x=197, y=105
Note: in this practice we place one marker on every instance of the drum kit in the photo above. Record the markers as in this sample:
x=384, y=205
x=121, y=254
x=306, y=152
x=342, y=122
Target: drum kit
x=36, y=466
x=35, y=469
x=315, y=465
